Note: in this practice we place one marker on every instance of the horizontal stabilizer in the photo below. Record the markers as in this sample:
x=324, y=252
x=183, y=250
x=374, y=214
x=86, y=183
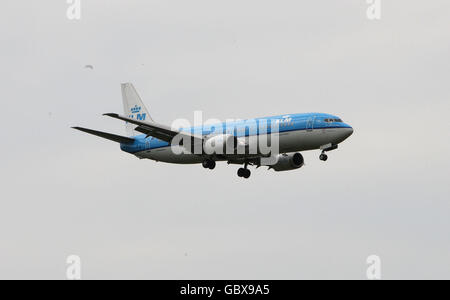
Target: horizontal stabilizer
x=109, y=136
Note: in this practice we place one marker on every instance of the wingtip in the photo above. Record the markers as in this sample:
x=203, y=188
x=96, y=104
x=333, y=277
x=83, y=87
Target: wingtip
x=111, y=114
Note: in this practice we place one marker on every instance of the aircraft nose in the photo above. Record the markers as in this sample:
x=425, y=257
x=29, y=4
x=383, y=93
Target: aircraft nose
x=349, y=131
x=346, y=131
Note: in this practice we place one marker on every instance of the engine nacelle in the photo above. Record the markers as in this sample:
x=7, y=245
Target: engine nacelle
x=220, y=144
x=287, y=162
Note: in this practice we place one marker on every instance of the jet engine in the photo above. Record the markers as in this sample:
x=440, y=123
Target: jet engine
x=287, y=162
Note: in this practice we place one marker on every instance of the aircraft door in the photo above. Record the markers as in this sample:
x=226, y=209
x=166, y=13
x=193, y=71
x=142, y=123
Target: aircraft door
x=310, y=124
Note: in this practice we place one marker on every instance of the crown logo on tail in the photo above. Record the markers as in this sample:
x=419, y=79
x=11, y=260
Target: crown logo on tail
x=135, y=109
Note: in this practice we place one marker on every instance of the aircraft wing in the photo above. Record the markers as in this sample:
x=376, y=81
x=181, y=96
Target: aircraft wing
x=159, y=131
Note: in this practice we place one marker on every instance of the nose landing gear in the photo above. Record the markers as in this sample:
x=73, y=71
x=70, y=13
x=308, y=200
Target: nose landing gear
x=323, y=157
x=326, y=148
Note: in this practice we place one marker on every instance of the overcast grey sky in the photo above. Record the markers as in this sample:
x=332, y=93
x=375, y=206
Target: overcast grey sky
x=384, y=192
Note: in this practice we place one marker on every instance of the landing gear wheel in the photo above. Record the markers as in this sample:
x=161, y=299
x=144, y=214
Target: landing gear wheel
x=209, y=164
x=323, y=157
x=245, y=173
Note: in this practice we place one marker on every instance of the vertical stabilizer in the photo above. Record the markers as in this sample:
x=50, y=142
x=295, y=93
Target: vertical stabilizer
x=133, y=107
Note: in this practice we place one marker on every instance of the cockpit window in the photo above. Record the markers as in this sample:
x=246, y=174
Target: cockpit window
x=333, y=120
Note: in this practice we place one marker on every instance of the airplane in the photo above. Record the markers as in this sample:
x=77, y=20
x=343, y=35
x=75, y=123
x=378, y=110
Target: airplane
x=147, y=139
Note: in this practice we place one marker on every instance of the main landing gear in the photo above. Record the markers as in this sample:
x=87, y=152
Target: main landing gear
x=244, y=172
x=209, y=164
x=323, y=156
